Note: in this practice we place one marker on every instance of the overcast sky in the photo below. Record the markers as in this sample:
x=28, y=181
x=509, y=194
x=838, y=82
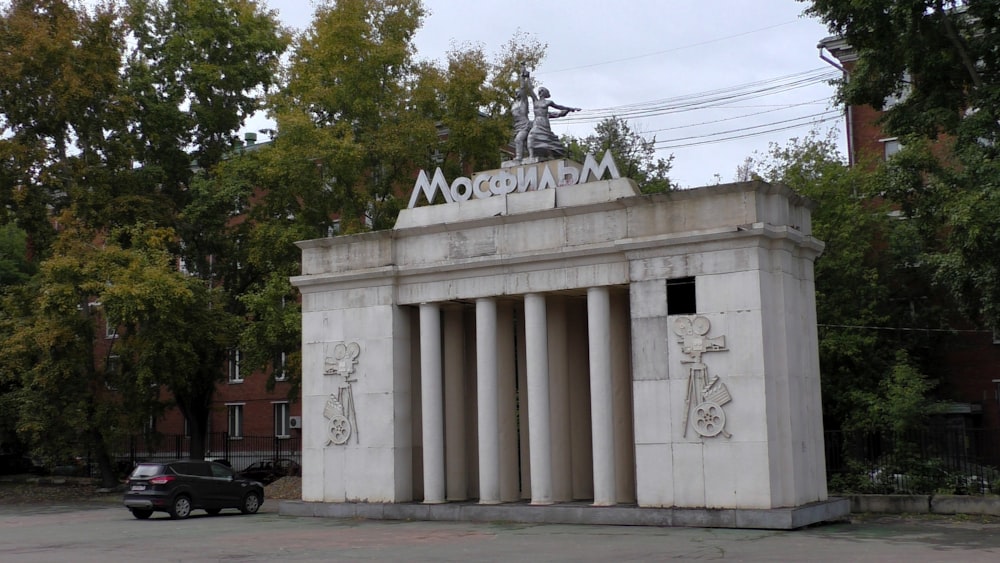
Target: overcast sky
x=714, y=81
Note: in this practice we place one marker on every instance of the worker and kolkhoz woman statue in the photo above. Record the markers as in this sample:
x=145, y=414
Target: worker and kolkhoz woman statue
x=534, y=138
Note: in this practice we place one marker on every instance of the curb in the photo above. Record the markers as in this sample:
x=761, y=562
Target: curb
x=925, y=504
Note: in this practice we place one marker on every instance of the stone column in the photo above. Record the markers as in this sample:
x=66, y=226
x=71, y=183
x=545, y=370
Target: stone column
x=431, y=402
x=487, y=396
x=602, y=418
x=536, y=349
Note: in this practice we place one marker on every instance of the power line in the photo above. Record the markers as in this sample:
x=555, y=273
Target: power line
x=821, y=115
x=721, y=98
x=776, y=107
x=674, y=49
x=712, y=99
x=667, y=144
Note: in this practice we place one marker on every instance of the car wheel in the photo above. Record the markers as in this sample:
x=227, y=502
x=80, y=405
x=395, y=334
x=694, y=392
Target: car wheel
x=181, y=508
x=213, y=511
x=140, y=513
x=251, y=503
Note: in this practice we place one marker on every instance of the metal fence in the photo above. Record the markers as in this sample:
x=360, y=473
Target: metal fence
x=238, y=451
x=937, y=460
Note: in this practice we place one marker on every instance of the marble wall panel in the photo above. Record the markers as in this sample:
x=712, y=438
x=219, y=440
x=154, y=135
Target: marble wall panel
x=721, y=470
x=728, y=292
x=648, y=299
x=368, y=474
x=654, y=475
x=595, y=228
x=752, y=480
x=335, y=477
x=650, y=348
x=689, y=474
x=312, y=474
x=525, y=238
x=652, y=408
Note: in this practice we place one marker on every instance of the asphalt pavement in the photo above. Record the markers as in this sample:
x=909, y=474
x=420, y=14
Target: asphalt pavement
x=106, y=532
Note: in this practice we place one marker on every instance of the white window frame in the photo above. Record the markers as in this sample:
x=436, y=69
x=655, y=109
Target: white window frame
x=282, y=414
x=279, y=371
x=234, y=420
x=890, y=146
x=234, y=366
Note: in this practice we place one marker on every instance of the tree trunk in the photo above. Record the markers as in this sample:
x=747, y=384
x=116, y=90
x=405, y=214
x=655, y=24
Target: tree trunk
x=109, y=478
x=197, y=419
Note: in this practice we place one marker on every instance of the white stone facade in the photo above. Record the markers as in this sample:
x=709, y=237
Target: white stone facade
x=532, y=347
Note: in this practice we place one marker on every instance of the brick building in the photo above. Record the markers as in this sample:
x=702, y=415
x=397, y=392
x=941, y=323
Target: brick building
x=966, y=361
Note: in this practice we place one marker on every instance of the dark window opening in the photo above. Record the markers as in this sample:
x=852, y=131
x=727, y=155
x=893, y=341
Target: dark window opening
x=680, y=297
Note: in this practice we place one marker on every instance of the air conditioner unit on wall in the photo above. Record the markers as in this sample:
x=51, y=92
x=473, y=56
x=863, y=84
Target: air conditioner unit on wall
x=295, y=422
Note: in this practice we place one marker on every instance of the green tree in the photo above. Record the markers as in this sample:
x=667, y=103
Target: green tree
x=871, y=293
x=471, y=100
x=197, y=72
x=356, y=121
x=633, y=153
x=15, y=268
x=75, y=387
x=347, y=94
x=103, y=112
x=59, y=76
x=940, y=59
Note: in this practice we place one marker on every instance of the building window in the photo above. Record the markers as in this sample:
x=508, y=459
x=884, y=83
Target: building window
x=681, y=297
x=280, y=370
x=234, y=366
x=904, y=92
x=890, y=147
x=112, y=369
x=281, y=417
x=235, y=416
x=110, y=329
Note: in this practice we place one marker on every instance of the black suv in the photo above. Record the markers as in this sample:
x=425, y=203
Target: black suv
x=178, y=487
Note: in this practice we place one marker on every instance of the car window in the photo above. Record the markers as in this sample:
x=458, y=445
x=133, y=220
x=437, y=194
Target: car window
x=146, y=470
x=201, y=468
x=193, y=468
x=221, y=471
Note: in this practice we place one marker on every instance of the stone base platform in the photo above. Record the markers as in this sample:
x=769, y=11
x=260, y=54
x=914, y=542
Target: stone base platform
x=579, y=513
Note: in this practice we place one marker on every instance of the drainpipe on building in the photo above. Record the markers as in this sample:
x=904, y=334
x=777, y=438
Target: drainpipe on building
x=847, y=107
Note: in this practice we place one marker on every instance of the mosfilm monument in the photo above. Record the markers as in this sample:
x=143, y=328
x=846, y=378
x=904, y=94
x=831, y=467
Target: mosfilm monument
x=542, y=343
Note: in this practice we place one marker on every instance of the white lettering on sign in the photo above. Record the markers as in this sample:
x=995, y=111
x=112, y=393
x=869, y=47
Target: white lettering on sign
x=521, y=179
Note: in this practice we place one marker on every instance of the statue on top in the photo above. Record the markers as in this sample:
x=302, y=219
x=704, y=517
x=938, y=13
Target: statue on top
x=536, y=135
x=522, y=125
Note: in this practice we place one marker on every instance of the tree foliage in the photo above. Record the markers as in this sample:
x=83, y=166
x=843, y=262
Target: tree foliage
x=634, y=155
x=59, y=77
x=96, y=334
x=15, y=268
x=872, y=301
x=941, y=60
x=104, y=109
x=128, y=203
